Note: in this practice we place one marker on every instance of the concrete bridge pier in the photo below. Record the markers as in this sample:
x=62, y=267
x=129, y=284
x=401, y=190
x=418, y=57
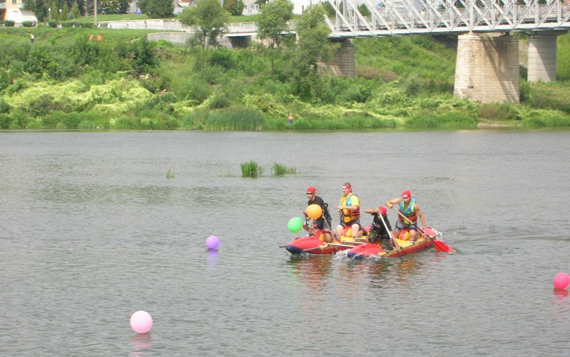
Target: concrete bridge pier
x=542, y=56
x=487, y=68
x=344, y=60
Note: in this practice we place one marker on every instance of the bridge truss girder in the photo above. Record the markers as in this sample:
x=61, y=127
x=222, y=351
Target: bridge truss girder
x=409, y=17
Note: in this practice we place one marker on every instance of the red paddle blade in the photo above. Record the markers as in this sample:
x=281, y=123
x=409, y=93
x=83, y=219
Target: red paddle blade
x=441, y=247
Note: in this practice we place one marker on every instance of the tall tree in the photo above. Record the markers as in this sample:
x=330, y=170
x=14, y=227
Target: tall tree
x=38, y=7
x=313, y=47
x=75, y=10
x=65, y=12
x=114, y=6
x=209, y=20
x=234, y=7
x=159, y=8
x=272, y=24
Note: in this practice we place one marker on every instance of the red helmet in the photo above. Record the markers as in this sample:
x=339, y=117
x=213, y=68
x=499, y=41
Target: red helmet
x=311, y=189
x=406, y=194
x=382, y=210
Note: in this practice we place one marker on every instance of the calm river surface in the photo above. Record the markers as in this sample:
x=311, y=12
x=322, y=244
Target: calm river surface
x=92, y=230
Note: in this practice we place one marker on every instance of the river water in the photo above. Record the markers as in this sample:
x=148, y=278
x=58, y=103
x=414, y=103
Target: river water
x=92, y=230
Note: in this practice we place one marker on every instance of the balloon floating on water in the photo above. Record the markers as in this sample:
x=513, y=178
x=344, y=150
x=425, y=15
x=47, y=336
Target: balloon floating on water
x=141, y=322
x=295, y=224
x=212, y=242
x=561, y=281
x=314, y=211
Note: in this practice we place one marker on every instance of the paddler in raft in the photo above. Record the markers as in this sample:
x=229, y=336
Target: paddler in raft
x=378, y=233
x=319, y=224
x=408, y=207
x=349, y=208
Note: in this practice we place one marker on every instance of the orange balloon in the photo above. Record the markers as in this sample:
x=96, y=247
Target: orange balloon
x=314, y=211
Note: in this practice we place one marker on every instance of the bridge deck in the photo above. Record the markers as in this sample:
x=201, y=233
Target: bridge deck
x=409, y=17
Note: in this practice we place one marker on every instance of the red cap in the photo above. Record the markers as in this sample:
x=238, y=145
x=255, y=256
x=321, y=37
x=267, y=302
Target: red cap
x=406, y=194
x=311, y=189
x=382, y=210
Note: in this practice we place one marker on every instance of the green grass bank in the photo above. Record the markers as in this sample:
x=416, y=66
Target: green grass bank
x=64, y=80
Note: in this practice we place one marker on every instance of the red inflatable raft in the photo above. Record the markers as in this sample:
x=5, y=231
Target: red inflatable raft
x=360, y=248
x=406, y=247
x=315, y=244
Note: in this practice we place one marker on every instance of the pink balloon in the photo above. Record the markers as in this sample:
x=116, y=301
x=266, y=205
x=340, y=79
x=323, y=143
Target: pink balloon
x=141, y=322
x=561, y=280
x=212, y=242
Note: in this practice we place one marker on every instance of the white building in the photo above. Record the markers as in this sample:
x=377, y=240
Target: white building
x=299, y=6
x=13, y=10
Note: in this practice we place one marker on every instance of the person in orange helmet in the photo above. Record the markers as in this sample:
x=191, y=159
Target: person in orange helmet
x=409, y=208
x=380, y=232
x=324, y=221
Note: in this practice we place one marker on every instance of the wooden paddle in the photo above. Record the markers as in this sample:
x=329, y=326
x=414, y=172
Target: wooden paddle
x=439, y=245
x=394, y=243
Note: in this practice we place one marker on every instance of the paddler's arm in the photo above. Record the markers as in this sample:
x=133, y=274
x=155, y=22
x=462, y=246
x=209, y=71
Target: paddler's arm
x=393, y=202
x=371, y=210
x=421, y=216
x=349, y=208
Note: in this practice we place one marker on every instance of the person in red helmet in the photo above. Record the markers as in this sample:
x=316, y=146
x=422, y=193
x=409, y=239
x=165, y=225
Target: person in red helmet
x=380, y=232
x=408, y=207
x=349, y=208
x=324, y=221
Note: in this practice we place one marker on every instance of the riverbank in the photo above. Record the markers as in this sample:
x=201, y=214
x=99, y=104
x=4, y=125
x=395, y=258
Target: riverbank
x=66, y=80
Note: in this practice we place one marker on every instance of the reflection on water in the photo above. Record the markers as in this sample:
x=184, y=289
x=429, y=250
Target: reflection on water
x=213, y=257
x=560, y=294
x=139, y=343
x=314, y=271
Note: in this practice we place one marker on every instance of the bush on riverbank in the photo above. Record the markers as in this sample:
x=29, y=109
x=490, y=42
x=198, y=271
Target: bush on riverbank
x=66, y=81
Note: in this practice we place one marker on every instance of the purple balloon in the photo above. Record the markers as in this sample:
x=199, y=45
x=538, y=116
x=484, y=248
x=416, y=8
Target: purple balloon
x=212, y=242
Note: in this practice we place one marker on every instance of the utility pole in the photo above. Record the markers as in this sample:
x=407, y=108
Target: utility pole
x=95, y=12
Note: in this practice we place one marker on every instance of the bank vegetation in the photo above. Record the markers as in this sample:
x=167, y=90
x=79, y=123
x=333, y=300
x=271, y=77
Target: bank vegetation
x=67, y=79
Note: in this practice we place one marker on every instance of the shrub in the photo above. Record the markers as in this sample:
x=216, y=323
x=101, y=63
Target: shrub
x=5, y=121
x=4, y=107
x=40, y=106
x=251, y=169
x=547, y=119
x=498, y=111
x=280, y=169
x=27, y=24
x=447, y=120
x=235, y=119
x=9, y=23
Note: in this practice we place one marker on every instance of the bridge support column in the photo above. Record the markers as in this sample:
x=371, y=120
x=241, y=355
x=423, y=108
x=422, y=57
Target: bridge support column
x=542, y=56
x=487, y=68
x=344, y=59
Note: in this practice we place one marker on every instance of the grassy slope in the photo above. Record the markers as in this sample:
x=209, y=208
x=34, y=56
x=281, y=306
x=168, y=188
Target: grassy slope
x=407, y=77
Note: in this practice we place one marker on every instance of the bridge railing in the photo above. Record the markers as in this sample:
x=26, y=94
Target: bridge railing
x=447, y=16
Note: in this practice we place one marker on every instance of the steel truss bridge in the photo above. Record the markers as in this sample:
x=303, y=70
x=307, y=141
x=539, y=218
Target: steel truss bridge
x=416, y=17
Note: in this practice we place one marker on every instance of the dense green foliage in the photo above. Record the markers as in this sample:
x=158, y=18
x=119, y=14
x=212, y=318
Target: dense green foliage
x=280, y=170
x=251, y=169
x=64, y=80
x=209, y=20
x=158, y=8
x=234, y=7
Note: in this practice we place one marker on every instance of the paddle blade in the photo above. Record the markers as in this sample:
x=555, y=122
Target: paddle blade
x=441, y=247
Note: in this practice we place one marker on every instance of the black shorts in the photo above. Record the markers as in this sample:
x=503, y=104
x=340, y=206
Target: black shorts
x=401, y=225
x=348, y=224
